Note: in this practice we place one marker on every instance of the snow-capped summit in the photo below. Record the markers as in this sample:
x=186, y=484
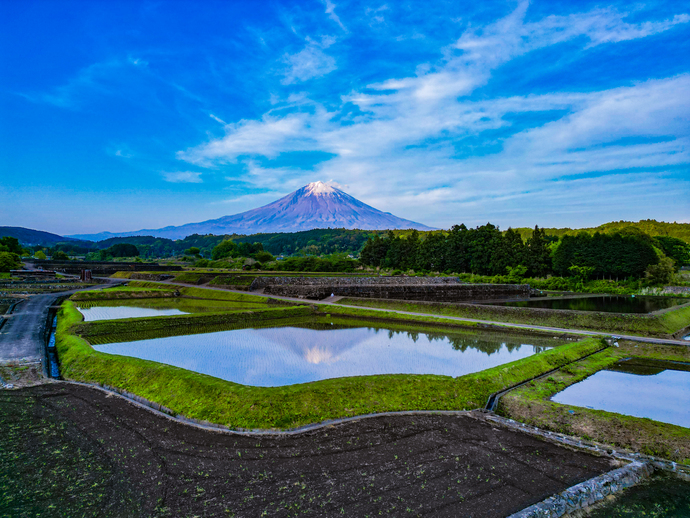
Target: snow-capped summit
x=316, y=205
x=318, y=188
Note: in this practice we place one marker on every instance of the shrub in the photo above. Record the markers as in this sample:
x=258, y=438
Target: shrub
x=224, y=249
x=263, y=257
x=660, y=273
x=9, y=261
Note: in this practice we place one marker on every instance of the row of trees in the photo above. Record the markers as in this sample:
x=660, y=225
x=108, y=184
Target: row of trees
x=486, y=250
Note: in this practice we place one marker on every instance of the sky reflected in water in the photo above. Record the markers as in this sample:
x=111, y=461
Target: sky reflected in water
x=663, y=397
x=288, y=355
x=118, y=312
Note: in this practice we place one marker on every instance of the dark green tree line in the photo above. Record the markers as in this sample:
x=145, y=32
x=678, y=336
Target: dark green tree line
x=483, y=250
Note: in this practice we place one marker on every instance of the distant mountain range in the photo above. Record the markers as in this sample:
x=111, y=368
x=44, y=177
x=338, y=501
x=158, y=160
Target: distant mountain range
x=317, y=205
x=29, y=237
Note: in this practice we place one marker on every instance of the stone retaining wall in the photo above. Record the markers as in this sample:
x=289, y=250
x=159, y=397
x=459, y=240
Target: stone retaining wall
x=587, y=493
x=439, y=292
x=263, y=282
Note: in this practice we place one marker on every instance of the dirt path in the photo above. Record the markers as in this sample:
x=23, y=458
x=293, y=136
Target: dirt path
x=83, y=450
x=22, y=337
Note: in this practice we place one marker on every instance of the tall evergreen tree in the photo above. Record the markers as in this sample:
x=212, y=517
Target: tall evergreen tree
x=514, y=250
x=457, y=256
x=485, y=247
x=538, y=254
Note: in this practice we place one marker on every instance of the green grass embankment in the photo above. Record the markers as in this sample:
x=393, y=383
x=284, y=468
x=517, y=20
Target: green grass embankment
x=208, y=294
x=121, y=293
x=123, y=275
x=390, y=316
x=165, y=296
x=661, y=325
x=531, y=404
x=238, y=406
x=107, y=331
x=238, y=282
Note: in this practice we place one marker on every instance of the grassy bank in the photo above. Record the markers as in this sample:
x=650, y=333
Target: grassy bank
x=204, y=397
x=184, y=304
x=121, y=293
x=392, y=318
x=662, y=325
x=153, y=294
x=108, y=331
x=531, y=404
x=206, y=294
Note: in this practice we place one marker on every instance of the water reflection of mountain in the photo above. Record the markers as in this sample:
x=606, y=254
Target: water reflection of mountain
x=325, y=343
x=321, y=345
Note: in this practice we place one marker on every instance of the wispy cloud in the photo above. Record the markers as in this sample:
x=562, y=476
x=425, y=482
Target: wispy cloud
x=309, y=63
x=266, y=137
x=100, y=78
x=330, y=11
x=183, y=177
x=120, y=150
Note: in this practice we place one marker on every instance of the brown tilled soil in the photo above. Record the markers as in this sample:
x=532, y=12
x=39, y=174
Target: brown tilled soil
x=68, y=450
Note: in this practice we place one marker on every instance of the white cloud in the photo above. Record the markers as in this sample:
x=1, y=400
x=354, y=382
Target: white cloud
x=269, y=137
x=307, y=64
x=183, y=177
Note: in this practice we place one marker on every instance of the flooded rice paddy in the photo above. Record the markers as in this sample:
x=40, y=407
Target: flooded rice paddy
x=606, y=303
x=639, y=389
x=288, y=355
x=118, y=312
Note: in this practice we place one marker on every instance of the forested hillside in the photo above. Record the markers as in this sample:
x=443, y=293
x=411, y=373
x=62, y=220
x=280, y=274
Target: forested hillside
x=30, y=237
x=650, y=227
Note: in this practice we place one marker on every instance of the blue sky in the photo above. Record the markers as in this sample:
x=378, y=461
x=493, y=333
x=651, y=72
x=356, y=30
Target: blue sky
x=126, y=115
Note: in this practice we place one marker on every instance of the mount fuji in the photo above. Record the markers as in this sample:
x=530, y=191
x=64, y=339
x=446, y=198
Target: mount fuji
x=316, y=205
